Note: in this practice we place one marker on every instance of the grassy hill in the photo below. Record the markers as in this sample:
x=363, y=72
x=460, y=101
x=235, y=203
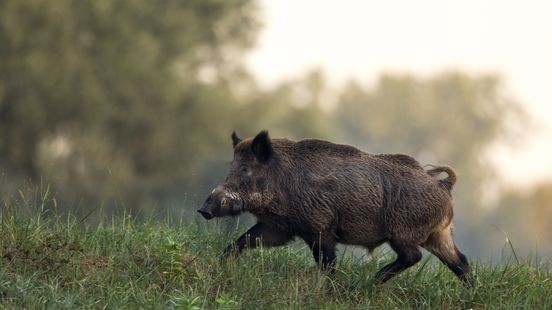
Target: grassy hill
x=56, y=262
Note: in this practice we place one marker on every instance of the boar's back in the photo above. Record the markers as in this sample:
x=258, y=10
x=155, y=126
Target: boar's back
x=400, y=159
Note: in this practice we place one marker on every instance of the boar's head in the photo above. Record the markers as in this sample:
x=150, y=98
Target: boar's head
x=245, y=186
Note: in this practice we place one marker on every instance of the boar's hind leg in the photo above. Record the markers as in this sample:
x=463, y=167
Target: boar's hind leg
x=258, y=234
x=442, y=245
x=407, y=255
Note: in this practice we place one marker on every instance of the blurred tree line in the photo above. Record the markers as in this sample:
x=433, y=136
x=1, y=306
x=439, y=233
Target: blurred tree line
x=132, y=102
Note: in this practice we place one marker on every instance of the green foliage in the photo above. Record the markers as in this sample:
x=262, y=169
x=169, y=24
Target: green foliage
x=89, y=87
x=53, y=262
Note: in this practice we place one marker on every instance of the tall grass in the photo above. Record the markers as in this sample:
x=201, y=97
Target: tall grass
x=55, y=261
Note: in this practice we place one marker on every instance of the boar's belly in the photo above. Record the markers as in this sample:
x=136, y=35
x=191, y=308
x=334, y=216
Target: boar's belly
x=360, y=230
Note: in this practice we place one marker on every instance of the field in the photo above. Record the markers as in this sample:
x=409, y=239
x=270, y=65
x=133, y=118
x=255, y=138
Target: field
x=50, y=261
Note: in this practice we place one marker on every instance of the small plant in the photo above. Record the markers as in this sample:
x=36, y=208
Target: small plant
x=170, y=255
x=185, y=303
x=226, y=301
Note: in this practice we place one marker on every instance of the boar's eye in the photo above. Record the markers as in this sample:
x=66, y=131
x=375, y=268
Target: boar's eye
x=246, y=172
x=260, y=183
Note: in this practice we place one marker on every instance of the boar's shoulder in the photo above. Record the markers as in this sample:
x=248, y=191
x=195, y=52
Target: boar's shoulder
x=401, y=159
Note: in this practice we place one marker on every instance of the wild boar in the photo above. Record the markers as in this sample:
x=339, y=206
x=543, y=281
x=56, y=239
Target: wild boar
x=326, y=193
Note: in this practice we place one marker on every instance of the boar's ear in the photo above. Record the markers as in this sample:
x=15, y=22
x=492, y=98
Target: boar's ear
x=261, y=146
x=235, y=139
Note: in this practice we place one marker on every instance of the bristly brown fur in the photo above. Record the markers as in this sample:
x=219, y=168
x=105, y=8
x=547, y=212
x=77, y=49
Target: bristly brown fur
x=328, y=193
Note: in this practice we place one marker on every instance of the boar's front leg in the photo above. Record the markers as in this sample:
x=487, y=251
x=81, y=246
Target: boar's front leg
x=258, y=234
x=323, y=251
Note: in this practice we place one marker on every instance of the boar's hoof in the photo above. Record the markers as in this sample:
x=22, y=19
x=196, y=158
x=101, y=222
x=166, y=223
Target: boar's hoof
x=231, y=251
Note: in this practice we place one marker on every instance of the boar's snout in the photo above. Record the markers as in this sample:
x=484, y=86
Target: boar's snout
x=208, y=208
x=205, y=213
x=220, y=203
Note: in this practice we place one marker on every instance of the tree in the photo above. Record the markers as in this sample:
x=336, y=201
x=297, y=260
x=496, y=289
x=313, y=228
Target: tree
x=127, y=86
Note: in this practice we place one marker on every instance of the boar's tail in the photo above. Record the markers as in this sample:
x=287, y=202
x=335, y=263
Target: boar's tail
x=447, y=182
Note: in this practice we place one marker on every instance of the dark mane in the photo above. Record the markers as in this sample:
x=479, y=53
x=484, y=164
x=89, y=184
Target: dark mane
x=325, y=147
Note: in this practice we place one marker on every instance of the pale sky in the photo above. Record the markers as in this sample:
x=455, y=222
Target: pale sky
x=362, y=39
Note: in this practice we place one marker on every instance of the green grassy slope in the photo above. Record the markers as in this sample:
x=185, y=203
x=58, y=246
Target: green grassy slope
x=56, y=263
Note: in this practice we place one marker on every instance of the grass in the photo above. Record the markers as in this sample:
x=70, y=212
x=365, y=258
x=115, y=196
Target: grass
x=49, y=261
